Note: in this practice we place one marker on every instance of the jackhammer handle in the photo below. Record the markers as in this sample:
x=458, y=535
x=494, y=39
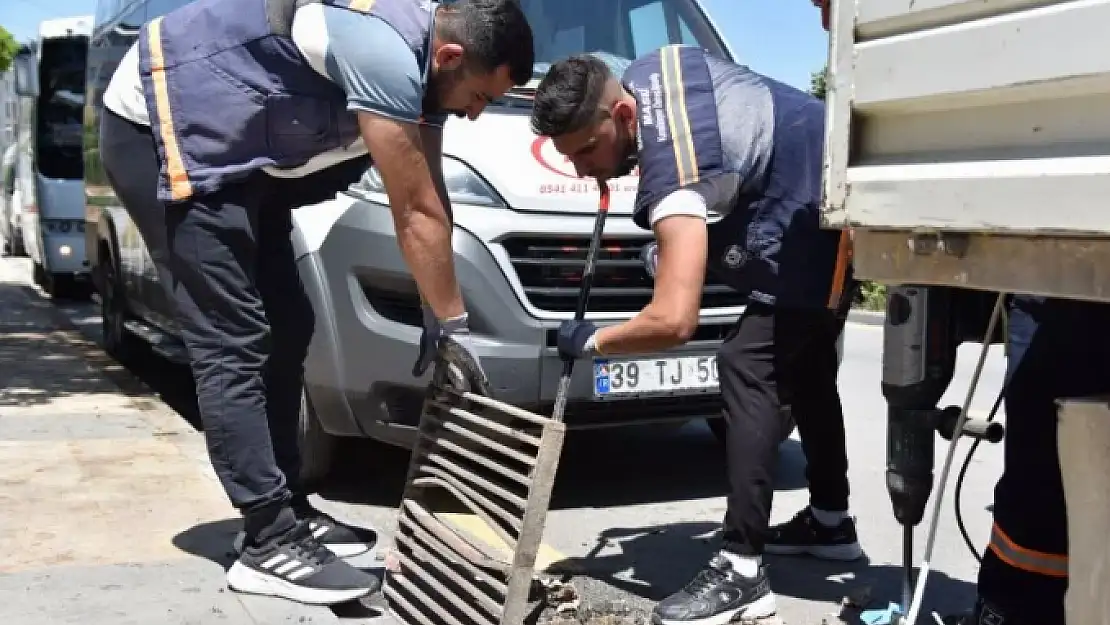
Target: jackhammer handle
x=979, y=429
x=984, y=430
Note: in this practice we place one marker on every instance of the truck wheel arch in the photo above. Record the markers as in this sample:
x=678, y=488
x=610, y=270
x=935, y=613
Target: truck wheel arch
x=106, y=237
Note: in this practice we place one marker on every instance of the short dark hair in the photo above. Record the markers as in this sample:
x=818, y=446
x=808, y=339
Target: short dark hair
x=568, y=97
x=493, y=32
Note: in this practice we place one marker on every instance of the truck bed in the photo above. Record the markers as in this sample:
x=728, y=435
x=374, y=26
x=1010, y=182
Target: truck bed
x=968, y=142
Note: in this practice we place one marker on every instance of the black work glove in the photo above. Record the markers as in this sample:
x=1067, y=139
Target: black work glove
x=574, y=339
x=450, y=340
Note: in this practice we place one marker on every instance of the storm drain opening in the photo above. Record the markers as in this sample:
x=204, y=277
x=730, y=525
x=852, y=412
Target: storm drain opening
x=473, y=511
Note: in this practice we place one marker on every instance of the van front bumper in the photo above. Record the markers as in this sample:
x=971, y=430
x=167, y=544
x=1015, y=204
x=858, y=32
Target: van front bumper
x=368, y=327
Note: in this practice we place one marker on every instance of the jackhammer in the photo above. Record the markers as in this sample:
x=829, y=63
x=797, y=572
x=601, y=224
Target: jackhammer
x=923, y=330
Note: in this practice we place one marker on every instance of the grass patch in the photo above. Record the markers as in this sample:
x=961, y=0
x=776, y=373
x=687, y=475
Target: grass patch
x=871, y=296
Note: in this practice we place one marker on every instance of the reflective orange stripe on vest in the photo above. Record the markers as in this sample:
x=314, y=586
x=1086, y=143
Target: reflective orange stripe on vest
x=363, y=6
x=1038, y=562
x=840, y=273
x=180, y=186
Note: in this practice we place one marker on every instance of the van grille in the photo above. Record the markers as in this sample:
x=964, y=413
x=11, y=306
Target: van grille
x=550, y=270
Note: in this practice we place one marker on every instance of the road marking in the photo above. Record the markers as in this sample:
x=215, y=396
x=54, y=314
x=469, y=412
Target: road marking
x=477, y=529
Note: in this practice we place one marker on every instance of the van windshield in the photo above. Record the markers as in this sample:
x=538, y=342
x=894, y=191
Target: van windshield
x=618, y=31
x=60, y=105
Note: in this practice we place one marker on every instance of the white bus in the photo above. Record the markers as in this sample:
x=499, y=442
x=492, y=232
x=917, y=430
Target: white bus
x=8, y=108
x=50, y=83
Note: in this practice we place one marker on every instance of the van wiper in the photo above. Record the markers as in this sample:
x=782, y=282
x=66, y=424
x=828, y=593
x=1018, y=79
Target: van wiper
x=517, y=97
x=522, y=93
x=69, y=99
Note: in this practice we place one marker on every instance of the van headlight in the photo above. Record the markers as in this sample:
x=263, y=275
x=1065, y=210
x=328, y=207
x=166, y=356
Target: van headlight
x=464, y=185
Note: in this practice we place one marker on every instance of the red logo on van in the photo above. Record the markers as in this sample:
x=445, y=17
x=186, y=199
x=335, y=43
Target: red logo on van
x=543, y=150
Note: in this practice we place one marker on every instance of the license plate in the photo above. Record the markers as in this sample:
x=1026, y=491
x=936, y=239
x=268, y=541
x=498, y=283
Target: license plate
x=673, y=375
x=64, y=226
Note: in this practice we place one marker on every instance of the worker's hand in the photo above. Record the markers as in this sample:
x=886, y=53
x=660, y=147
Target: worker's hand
x=450, y=340
x=576, y=339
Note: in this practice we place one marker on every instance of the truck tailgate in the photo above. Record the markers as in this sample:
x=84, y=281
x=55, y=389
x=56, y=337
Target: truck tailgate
x=968, y=142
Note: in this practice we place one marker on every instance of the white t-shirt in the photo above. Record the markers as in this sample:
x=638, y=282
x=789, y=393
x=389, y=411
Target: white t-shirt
x=709, y=199
x=124, y=94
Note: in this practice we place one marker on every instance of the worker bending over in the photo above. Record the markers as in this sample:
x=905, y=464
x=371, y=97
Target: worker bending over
x=730, y=180
x=1057, y=349
x=223, y=118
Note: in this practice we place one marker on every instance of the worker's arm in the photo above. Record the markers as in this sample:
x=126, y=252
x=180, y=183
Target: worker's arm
x=679, y=222
x=384, y=84
x=672, y=315
x=431, y=136
x=420, y=211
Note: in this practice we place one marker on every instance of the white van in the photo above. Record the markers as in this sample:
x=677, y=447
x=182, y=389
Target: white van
x=50, y=83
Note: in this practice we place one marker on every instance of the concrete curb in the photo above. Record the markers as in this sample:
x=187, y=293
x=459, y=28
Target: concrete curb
x=866, y=317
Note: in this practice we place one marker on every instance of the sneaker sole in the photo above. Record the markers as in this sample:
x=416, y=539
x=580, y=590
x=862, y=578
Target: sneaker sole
x=841, y=553
x=343, y=550
x=760, y=608
x=244, y=579
x=348, y=550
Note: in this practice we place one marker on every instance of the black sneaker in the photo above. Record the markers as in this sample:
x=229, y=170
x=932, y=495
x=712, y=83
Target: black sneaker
x=344, y=541
x=804, y=534
x=717, y=595
x=297, y=567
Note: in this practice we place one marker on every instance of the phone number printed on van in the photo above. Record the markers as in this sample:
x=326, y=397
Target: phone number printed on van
x=581, y=187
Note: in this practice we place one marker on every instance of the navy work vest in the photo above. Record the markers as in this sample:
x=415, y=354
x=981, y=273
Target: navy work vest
x=698, y=117
x=228, y=91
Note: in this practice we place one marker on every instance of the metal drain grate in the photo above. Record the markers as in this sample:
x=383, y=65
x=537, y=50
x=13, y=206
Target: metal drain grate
x=484, y=458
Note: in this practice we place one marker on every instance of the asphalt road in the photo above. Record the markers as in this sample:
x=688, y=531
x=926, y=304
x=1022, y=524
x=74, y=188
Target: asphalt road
x=646, y=502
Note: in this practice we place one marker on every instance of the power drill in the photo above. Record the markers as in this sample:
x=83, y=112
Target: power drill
x=924, y=328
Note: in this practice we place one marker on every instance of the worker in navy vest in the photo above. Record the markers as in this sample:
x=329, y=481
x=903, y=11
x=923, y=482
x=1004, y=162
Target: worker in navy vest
x=224, y=117
x=729, y=181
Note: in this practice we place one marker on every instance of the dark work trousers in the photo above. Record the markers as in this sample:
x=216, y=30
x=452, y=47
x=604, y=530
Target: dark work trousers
x=227, y=263
x=1056, y=349
x=776, y=360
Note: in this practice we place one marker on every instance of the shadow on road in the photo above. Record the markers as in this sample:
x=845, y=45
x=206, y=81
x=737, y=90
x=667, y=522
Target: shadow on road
x=211, y=541
x=816, y=580
x=53, y=346
x=71, y=336
x=654, y=561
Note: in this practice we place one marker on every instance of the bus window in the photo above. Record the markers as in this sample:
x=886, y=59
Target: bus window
x=60, y=105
